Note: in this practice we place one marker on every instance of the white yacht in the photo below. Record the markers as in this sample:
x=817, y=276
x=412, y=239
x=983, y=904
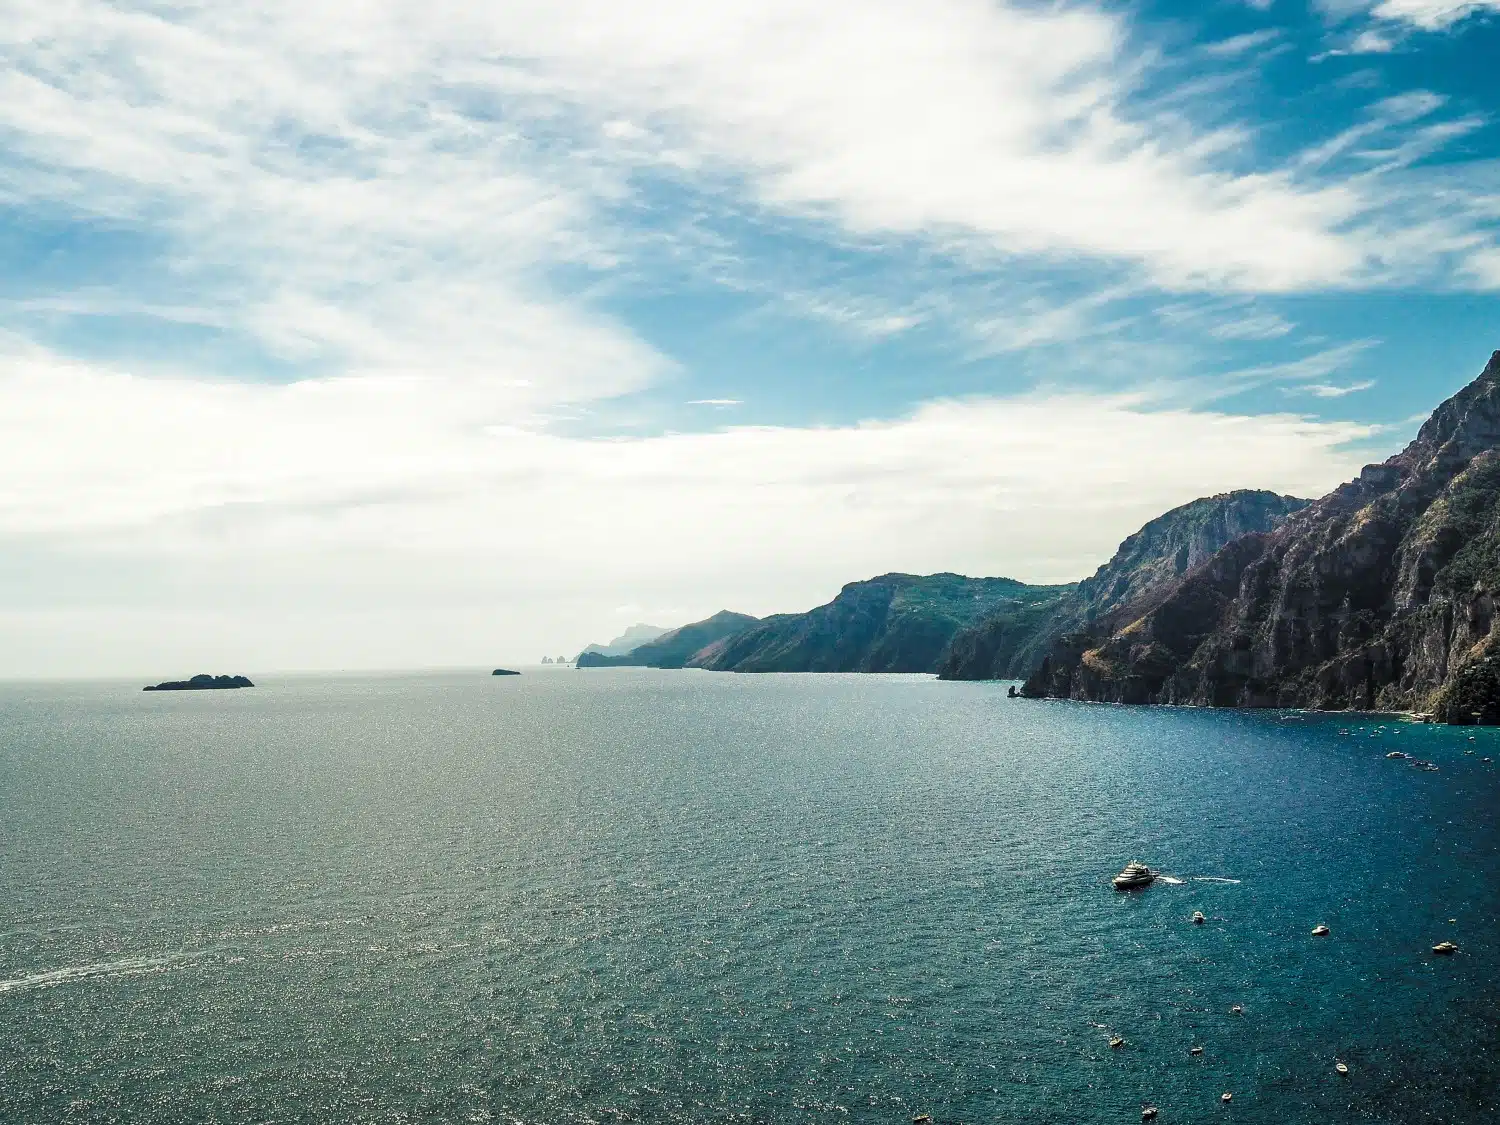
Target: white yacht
x=1135, y=875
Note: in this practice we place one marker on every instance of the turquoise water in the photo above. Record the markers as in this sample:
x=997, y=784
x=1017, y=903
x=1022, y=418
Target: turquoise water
x=635, y=896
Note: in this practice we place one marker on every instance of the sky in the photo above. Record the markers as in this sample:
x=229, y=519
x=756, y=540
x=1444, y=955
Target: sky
x=407, y=334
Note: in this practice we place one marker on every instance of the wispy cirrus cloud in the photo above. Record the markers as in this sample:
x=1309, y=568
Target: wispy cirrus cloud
x=1332, y=390
x=1432, y=15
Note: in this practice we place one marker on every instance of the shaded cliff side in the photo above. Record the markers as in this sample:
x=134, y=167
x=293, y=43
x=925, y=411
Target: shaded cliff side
x=1012, y=643
x=894, y=623
x=674, y=648
x=1380, y=596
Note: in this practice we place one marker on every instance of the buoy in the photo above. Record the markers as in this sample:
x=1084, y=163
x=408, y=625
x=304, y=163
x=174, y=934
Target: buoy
x=1226, y=1096
x=1445, y=949
x=1116, y=1043
x=1342, y=1068
x=1320, y=931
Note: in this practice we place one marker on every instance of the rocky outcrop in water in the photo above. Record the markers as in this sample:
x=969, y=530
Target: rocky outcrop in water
x=673, y=649
x=201, y=682
x=1379, y=596
x=894, y=623
x=1013, y=642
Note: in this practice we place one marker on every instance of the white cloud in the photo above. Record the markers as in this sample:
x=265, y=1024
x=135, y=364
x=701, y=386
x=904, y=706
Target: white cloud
x=1240, y=44
x=373, y=141
x=325, y=195
x=261, y=511
x=1433, y=15
x=1371, y=42
x=1485, y=269
x=1258, y=326
x=1332, y=390
x=1318, y=365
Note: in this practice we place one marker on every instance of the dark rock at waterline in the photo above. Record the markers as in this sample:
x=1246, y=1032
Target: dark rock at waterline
x=201, y=682
x=504, y=672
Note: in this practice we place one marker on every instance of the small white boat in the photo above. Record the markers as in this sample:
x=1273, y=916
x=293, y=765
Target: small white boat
x=1135, y=876
x=1320, y=931
x=1198, y=918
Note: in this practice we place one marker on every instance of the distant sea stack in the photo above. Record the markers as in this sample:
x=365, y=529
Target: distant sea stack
x=504, y=672
x=1380, y=596
x=201, y=682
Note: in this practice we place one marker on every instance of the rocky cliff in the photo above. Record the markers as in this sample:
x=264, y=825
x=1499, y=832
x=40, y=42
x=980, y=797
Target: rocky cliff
x=675, y=647
x=894, y=623
x=1380, y=596
x=1011, y=643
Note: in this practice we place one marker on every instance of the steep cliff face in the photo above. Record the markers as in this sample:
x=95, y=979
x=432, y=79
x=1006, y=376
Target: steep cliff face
x=894, y=623
x=674, y=648
x=1379, y=596
x=1013, y=642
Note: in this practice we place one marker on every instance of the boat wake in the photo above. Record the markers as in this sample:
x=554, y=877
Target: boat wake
x=1172, y=880
x=1214, y=879
x=128, y=967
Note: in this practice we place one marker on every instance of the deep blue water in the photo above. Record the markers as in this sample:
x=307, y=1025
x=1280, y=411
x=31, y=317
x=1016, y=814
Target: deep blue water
x=634, y=896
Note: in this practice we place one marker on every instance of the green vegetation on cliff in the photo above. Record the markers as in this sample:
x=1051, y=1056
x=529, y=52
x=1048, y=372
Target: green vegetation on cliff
x=894, y=623
x=1012, y=642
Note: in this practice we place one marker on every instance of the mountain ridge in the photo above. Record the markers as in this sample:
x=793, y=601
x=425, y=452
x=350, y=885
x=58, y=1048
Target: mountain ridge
x=1010, y=644
x=628, y=641
x=675, y=647
x=891, y=623
x=1378, y=596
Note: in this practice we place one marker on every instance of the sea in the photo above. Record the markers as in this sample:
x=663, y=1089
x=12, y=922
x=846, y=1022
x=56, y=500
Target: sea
x=624, y=895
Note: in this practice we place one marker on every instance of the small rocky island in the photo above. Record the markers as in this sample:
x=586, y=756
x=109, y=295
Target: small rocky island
x=201, y=682
x=504, y=672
